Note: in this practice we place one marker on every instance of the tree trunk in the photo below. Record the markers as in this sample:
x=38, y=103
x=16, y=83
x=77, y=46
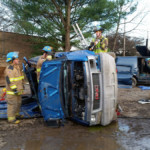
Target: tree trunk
x=115, y=40
x=67, y=26
x=116, y=34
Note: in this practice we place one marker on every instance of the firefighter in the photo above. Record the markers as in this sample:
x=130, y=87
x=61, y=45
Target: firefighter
x=14, y=87
x=46, y=50
x=100, y=43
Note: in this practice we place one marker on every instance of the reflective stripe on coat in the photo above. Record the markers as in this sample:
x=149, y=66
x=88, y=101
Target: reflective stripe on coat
x=14, y=79
x=102, y=45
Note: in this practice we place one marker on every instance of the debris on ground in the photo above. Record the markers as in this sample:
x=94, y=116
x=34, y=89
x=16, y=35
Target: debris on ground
x=144, y=101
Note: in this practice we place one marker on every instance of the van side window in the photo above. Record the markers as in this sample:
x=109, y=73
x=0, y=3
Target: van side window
x=147, y=62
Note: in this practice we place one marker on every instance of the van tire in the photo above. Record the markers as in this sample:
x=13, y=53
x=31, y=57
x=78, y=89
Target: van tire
x=134, y=82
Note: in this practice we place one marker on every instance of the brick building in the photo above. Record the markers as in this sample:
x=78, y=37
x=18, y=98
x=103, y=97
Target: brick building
x=15, y=42
x=10, y=42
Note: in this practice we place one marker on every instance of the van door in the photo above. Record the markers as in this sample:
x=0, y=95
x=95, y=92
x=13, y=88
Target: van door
x=49, y=91
x=109, y=88
x=127, y=68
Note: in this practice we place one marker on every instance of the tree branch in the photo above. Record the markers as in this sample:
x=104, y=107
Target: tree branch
x=60, y=12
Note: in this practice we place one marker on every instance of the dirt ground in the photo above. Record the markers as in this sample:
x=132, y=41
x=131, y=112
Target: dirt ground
x=127, y=98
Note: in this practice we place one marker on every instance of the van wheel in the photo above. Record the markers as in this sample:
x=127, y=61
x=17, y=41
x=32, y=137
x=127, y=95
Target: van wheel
x=134, y=82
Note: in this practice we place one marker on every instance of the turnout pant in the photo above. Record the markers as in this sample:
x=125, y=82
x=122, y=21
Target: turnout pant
x=13, y=106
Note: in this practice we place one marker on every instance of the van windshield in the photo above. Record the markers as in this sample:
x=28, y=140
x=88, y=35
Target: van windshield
x=123, y=69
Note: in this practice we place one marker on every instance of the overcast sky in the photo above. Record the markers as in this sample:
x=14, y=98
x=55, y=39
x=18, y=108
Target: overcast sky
x=140, y=23
x=143, y=30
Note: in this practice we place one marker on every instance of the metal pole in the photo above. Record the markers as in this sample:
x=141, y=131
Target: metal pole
x=147, y=40
x=76, y=31
x=81, y=35
x=78, y=34
x=147, y=45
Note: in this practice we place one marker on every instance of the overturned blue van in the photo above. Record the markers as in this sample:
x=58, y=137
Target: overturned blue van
x=80, y=86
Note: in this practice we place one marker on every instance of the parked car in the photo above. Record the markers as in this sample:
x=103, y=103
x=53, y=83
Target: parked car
x=80, y=86
x=133, y=70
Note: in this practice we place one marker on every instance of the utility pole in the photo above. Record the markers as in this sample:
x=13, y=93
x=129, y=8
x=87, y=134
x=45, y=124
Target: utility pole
x=147, y=44
x=124, y=40
x=147, y=40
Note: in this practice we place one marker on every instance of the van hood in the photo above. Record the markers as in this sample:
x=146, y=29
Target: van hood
x=49, y=91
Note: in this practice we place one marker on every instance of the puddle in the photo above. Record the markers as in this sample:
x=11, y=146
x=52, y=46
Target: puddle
x=123, y=127
x=134, y=134
x=127, y=134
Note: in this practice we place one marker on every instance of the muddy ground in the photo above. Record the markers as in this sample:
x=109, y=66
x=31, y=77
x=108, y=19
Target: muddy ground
x=33, y=134
x=128, y=99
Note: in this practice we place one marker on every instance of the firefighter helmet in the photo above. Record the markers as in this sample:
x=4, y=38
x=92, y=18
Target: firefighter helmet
x=11, y=56
x=47, y=49
x=98, y=28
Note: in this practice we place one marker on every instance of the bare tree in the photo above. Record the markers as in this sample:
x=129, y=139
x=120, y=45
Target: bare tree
x=123, y=9
x=131, y=43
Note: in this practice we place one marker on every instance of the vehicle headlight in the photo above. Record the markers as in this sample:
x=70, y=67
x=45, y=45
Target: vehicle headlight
x=93, y=118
